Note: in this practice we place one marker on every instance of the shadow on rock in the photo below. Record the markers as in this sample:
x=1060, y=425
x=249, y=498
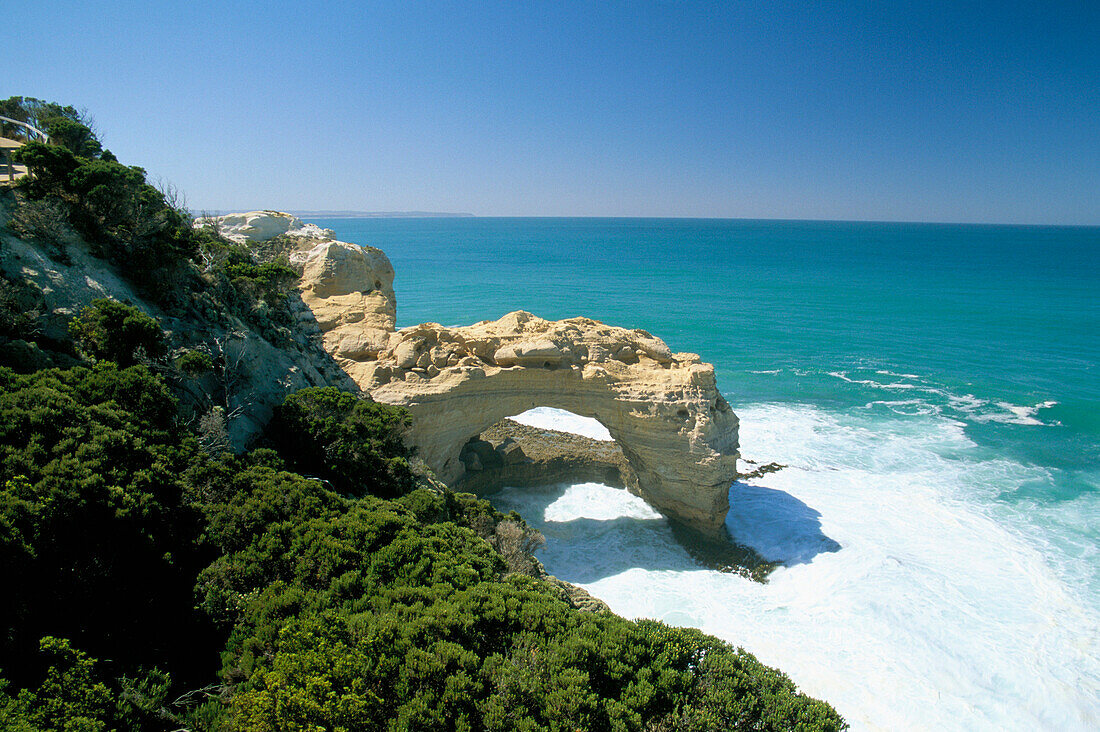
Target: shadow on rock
x=723, y=553
x=781, y=528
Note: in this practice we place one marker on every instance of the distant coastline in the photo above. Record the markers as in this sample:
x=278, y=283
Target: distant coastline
x=382, y=214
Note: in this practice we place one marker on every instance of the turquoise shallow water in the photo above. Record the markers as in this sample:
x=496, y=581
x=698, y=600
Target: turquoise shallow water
x=954, y=367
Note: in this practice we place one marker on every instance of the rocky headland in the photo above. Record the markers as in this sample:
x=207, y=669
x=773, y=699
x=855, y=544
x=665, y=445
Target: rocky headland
x=677, y=434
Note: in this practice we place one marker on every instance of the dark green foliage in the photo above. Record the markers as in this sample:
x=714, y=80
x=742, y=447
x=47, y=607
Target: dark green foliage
x=66, y=126
x=20, y=307
x=22, y=345
x=96, y=530
x=74, y=135
x=331, y=606
x=267, y=281
x=341, y=612
x=113, y=331
x=357, y=614
x=69, y=697
x=252, y=282
x=126, y=219
x=72, y=694
x=354, y=443
x=195, y=363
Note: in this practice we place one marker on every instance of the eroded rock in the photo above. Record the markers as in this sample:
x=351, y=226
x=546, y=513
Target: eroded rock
x=677, y=432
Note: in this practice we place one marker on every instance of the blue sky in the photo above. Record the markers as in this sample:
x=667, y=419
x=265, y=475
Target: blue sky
x=985, y=112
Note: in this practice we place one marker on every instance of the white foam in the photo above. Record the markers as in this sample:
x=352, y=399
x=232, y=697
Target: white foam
x=1017, y=414
x=872, y=383
x=966, y=406
x=595, y=501
x=563, y=421
x=906, y=604
x=906, y=406
x=897, y=375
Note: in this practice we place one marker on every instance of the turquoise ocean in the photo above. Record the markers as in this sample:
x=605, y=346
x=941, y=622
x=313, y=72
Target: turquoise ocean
x=934, y=391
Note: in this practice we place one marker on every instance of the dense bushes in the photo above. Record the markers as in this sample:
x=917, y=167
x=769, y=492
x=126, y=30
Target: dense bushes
x=73, y=180
x=251, y=282
x=113, y=331
x=330, y=590
x=71, y=694
x=352, y=442
x=76, y=191
x=125, y=219
x=333, y=610
x=64, y=124
x=96, y=531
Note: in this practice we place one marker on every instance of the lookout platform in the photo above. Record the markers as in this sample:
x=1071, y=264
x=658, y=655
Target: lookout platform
x=10, y=171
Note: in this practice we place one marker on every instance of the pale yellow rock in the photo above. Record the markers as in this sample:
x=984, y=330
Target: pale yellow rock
x=261, y=226
x=664, y=409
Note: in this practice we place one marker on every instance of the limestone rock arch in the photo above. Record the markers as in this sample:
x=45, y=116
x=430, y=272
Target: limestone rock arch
x=662, y=408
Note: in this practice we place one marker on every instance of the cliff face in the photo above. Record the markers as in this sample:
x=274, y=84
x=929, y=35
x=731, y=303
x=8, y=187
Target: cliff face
x=252, y=372
x=664, y=409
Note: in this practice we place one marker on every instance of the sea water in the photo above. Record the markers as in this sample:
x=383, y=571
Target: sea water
x=933, y=391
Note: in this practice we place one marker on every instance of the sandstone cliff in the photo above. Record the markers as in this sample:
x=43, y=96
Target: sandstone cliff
x=664, y=409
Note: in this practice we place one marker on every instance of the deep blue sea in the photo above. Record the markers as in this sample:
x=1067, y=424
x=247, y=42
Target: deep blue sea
x=935, y=393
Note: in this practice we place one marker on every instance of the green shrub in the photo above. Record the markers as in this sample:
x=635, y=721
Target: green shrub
x=267, y=281
x=113, y=331
x=64, y=124
x=125, y=219
x=97, y=529
x=346, y=439
x=74, y=135
x=331, y=606
x=195, y=363
x=72, y=694
x=70, y=697
x=20, y=307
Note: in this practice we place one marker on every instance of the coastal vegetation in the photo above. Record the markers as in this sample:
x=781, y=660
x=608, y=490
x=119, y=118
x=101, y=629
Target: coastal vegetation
x=320, y=578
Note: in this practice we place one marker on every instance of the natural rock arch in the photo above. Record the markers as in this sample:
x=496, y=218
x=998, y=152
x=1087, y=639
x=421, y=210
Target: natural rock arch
x=663, y=409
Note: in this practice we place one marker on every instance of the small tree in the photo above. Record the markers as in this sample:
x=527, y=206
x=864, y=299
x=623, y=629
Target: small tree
x=113, y=331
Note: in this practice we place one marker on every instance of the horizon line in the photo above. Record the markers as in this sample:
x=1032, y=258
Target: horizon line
x=345, y=213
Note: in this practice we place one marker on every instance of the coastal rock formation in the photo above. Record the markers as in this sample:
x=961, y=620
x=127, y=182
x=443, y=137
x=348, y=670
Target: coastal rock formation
x=664, y=409
x=514, y=454
x=254, y=226
x=349, y=290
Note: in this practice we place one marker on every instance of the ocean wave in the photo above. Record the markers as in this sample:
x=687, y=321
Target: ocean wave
x=940, y=398
x=563, y=421
x=897, y=375
x=906, y=601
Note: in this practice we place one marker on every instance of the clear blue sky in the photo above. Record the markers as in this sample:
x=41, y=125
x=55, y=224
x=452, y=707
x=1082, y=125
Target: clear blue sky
x=952, y=111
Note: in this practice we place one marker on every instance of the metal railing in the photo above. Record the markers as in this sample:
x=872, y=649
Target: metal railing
x=34, y=132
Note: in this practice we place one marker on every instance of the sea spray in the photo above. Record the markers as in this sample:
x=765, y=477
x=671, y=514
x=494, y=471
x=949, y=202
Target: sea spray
x=901, y=602
x=942, y=378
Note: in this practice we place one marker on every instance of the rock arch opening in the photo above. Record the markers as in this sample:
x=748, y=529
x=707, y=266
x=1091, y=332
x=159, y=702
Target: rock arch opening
x=544, y=446
x=677, y=434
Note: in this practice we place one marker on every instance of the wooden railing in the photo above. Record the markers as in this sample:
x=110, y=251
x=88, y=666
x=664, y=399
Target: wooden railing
x=33, y=131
